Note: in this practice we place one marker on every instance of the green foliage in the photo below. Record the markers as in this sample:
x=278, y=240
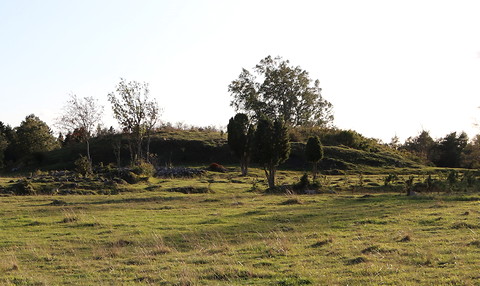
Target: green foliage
x=452, y=177
x=314, y=150
x=33, y=136
x=240, y=139
x=272, y=146
x=279, y=90
x=421, y=145
x=314, y=153
x=135, y=112
x=127, y=175
x=391, y=178
x=449, y=150
x=83, y=166
x=3, y=146
x=144, y=168
x=22, y=188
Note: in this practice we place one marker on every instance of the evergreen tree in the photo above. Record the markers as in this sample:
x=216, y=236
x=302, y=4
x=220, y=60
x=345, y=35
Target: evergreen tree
x=272, y=146
x=33, y=136
x=314, y=153
x=240, y=137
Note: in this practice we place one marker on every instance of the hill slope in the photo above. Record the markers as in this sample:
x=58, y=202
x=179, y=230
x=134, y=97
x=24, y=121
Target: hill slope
x=179, y=147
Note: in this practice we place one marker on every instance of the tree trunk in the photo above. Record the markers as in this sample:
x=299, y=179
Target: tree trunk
x=244, y=166
x=88, y=152
x=314, y=170
x=147, y=155
x=270, y=174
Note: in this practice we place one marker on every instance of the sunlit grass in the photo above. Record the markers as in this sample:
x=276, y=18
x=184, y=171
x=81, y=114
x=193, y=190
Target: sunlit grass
x=231, y=235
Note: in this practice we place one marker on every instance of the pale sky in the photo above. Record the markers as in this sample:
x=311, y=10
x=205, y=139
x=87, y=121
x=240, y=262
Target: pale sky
x=388, y=67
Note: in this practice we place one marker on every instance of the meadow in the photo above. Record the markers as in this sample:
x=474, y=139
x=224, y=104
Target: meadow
x=150, y=233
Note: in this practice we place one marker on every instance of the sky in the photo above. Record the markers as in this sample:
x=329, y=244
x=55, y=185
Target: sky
x=390, y=68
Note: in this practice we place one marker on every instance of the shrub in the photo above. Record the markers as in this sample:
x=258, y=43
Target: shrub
x=214, y=167
x=129, y=176
x=144, y=169
x=303, y=184
x=23, y=188
x=83, y=166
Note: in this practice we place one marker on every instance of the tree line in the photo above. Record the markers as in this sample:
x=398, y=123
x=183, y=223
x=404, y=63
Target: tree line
x=275, y=102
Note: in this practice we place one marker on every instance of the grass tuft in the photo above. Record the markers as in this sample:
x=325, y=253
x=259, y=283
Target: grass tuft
x=356, y=260
x=322, y=243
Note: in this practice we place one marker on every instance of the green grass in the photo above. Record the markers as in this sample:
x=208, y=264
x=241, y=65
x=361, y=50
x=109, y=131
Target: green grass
x=233, y=236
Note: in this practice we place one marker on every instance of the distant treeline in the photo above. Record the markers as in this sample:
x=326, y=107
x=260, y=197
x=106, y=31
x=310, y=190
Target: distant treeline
x=32, y=144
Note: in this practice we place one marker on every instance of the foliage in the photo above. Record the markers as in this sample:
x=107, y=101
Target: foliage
x=240, y=139
x=22, y=188
x=391, y=178
x=81, y=115
x=144, y=168
x=33, y=136
x=135, y=112
x=3, y=147
x=278, y=90
x=83, y=166
x=421, y=145
x=314, y=153
x=272, y=146
x=471, y=154
x=448, y=151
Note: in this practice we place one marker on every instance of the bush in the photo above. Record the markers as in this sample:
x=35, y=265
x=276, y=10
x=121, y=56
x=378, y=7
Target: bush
x=23, y=188
x=303, y=184
x=83, y=166
x=129, y=176
x=214, y=167
x=144, y=169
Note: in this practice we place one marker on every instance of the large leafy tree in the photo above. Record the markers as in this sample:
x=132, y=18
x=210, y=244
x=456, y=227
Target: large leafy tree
x=272, y=146
x=81, y=114
x=33, y=136
x=240, y=139
x=314, y=153
x=276, y=89
x=135, y=112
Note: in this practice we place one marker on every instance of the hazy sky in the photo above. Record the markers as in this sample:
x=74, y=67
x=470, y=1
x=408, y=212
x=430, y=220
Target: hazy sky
x=388, y=67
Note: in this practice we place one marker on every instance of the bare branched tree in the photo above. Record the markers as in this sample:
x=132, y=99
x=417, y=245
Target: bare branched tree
x=83, y=114
x=136, y=113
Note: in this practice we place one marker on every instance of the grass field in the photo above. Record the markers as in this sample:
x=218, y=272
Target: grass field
x=236, y=236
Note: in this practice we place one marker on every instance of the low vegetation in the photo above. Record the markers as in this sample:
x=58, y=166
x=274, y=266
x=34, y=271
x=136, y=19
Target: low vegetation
x=163, y=205
x=213, y=229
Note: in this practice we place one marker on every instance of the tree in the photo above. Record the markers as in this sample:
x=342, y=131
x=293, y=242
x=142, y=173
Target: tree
x=449, y=150
x=271, y=146
x=135, y=113
x=421, y=145
x=314, y=153
x=33, y=136
x=471, y=154
x=8, y=134
x=3, y=146
x=240, y=139
x=278, y=90
x=81, y=115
